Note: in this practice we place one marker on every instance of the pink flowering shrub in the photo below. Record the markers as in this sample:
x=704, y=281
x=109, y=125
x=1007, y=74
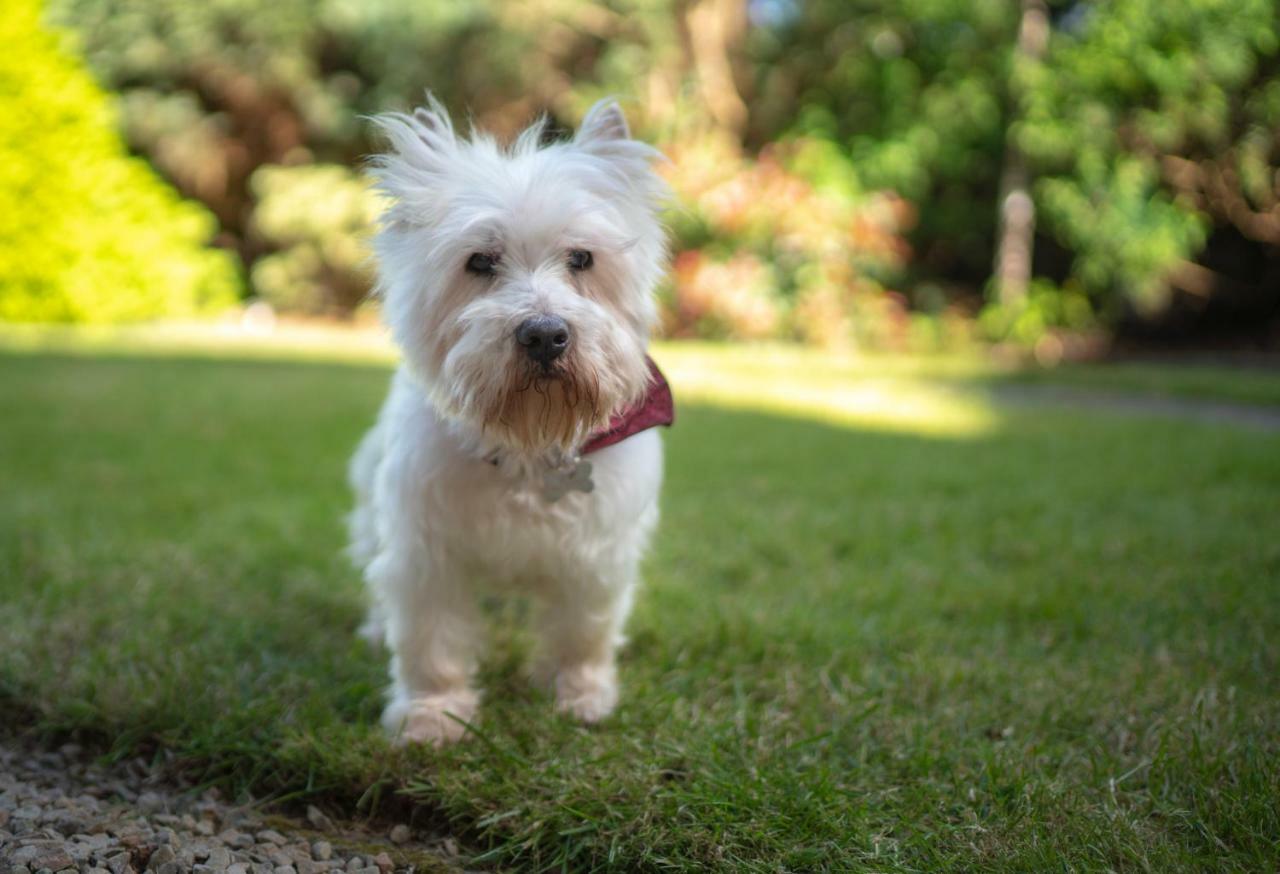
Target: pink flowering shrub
x=781, y=246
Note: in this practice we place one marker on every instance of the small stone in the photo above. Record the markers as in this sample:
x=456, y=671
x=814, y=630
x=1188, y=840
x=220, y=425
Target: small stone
x=150, y=802
x=400, y=834
x=384, y=863
x=162, y=856
x=237, y=839
x=286, y=869
x=219, y=858
x=97, y=841
x=318, y=820
x=355, y=863
x=321, y=851
x=169, y=868
x=204, y=827
x=40, y=856
x=271, y=836
x=119, y=863
x=129, y=840
x=238, y=868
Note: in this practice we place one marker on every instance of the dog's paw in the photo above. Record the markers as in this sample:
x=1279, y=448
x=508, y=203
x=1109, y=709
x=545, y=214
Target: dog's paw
x=435, y=720
x=588, y=693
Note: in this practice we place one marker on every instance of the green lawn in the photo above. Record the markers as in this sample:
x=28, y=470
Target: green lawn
x=886, y=626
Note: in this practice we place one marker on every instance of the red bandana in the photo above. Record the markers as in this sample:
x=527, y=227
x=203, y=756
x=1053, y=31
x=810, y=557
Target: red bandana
x=655, y=408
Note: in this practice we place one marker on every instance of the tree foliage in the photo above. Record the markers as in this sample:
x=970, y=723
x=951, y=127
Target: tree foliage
x=1153, y=122
x=1148, y=128
x=87, y=233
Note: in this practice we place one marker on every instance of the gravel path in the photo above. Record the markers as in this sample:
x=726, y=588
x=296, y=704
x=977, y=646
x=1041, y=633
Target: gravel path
x=61, y=812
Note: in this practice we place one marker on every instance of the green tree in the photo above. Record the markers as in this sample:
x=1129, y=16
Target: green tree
x=87, y=232
x=1155, y=128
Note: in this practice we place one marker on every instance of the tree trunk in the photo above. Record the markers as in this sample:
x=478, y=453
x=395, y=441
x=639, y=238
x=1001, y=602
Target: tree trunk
x=1016, y=226
x=716, y=30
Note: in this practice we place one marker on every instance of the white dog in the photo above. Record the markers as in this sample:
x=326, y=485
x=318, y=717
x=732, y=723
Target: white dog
x=516, y=446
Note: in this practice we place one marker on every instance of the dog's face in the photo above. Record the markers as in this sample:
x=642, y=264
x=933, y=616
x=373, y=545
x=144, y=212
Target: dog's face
x=518, y=281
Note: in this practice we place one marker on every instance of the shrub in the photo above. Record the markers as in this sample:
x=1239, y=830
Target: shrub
x=87, y=233
x=782, y=245
x=318, y=218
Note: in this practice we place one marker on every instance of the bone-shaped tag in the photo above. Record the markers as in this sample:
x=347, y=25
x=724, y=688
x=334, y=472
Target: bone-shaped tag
x=559, y=481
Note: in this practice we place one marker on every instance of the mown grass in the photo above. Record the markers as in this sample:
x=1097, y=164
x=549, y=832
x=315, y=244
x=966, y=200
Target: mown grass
x=885, y=626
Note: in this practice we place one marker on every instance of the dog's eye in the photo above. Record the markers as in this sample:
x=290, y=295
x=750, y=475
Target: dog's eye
x=580, y=259
x=482, y=263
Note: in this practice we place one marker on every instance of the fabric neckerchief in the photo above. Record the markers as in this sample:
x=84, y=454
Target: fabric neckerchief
x=657, y=407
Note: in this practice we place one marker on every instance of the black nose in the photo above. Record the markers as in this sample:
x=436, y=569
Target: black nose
x=544, y=338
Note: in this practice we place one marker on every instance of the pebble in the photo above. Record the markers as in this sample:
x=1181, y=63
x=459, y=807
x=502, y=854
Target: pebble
x=318, y=820
x=63, y=813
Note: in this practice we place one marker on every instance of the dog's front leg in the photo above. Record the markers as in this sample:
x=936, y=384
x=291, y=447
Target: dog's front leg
x=431, y=629
x=581, y=630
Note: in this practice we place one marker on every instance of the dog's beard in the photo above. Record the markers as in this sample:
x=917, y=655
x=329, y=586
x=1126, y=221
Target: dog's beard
x=541, y=409
x=522, y=407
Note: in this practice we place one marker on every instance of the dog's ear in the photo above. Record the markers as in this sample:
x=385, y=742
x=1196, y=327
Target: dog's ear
x=604, y=135
x=603, y=124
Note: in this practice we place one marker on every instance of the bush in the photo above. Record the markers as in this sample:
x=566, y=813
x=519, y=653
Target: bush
x=318, y=218
x=87, y=232
x=781, y=246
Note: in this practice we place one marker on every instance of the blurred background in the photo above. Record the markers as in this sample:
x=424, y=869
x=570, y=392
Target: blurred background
x=1063, y=179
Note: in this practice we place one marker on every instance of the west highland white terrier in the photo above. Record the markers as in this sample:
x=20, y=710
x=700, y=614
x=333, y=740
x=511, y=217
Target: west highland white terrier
x=516, y=447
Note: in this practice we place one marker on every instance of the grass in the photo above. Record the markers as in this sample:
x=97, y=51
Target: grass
x=886, y=626
x=1242, y=385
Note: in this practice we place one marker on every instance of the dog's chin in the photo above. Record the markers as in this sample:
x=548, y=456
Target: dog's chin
x=545, y=410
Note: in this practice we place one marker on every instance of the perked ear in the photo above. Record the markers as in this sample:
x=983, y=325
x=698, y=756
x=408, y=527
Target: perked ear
x=604, y=123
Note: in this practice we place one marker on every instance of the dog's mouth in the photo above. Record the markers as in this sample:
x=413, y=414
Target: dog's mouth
x=546, y=405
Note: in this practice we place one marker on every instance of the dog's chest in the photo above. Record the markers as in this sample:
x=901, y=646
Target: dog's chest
x=505, y=525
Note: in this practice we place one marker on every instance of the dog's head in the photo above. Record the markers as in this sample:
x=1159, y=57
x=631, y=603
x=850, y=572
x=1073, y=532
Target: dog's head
x=518, y=280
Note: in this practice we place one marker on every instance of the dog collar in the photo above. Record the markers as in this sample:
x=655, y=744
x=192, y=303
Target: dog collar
x=657, y=407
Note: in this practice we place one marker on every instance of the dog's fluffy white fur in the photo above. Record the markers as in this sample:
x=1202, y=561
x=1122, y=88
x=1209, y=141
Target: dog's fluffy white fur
x=449, y=482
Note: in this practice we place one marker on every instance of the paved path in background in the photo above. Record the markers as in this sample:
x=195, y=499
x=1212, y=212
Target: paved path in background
x=1198, y=409
x=62, y=812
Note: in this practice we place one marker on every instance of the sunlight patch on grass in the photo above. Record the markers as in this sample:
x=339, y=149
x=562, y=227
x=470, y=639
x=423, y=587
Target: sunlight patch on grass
x=878, y=394
x=233, y=338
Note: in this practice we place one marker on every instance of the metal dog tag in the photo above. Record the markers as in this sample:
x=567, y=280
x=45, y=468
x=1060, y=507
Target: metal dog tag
x=572, y=476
